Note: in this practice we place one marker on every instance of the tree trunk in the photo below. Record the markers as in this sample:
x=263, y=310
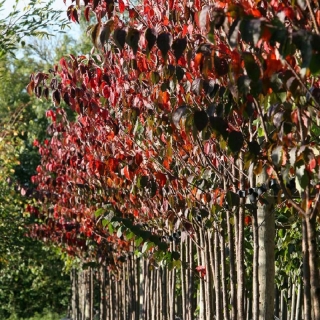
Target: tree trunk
x=266, y=271
x=255, y=278
x=233, y=279
x=240, y=247
x=217, y=282
x=306, y=274
x=314, y=272
x=225, y=299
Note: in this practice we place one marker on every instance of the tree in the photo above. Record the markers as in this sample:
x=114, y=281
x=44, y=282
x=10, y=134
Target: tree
x=37, y=19
x=34, y=275
x=178, y=112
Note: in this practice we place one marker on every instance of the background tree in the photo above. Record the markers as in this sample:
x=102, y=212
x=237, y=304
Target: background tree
x=37, y=19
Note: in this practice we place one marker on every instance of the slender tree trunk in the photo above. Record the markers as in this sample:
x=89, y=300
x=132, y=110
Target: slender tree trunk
x=314, y=271
x=183, y=278
x=146, y=291
x=266, y=272
x=206, y=282
x=190, y=278
x=173, y=290
x=103, y=292
x=255, y=278
x=306, y=274
x=233, y=278
x=224, y=273
x=293, y=301
x=240, y=248
x=217, y=281
x=164, y=294
x=298, y=308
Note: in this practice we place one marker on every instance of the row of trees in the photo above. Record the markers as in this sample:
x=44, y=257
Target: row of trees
x=193, y=120
x=34, y=276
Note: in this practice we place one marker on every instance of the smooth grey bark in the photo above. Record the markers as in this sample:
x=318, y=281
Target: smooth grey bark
x=306, y=274
x=314, y=272
x=233, y=278
x=266, y=271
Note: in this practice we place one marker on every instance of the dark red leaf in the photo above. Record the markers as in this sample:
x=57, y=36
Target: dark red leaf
x=178, y=46
x=56, y=97
x=200, y=119
x=151, y=37
x=119, y=37
x=164, y=42
x=235, y=141
x=132, y=39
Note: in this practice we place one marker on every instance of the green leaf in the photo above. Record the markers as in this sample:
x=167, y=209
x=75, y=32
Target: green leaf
x=130, y=235
x=138, y=241
x=146, y=246
x=99, y=212
x=155, y=77
x=105, y=222
x=233, y=199
x=315, y=64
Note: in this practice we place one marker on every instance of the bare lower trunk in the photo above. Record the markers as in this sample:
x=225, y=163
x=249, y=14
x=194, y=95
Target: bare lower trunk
x=255, y=279
x=240, y=248
x=266, y=271
x=314, y=272
x=306, y=274
x=233, y=279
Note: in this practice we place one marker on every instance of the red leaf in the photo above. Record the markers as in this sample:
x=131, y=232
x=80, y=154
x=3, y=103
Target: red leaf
x=139, y=158
x=121, y=6
x=135, y=213
x=63, y=63
x=312, y=164
x=127, y=173
x=161, y=178
x=87, y=13
x=247, y=220
x=202, y=271
x=133, y=198
x=269, y=171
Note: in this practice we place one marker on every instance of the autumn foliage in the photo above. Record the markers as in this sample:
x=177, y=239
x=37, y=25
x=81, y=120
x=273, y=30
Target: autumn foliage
x=176, y=101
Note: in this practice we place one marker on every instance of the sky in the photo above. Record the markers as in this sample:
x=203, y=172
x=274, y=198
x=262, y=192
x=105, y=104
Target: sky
x=57, y=5
x=8, y=4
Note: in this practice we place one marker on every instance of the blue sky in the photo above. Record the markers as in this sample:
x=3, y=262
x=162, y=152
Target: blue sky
x=57, y=5
x=8, y=4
